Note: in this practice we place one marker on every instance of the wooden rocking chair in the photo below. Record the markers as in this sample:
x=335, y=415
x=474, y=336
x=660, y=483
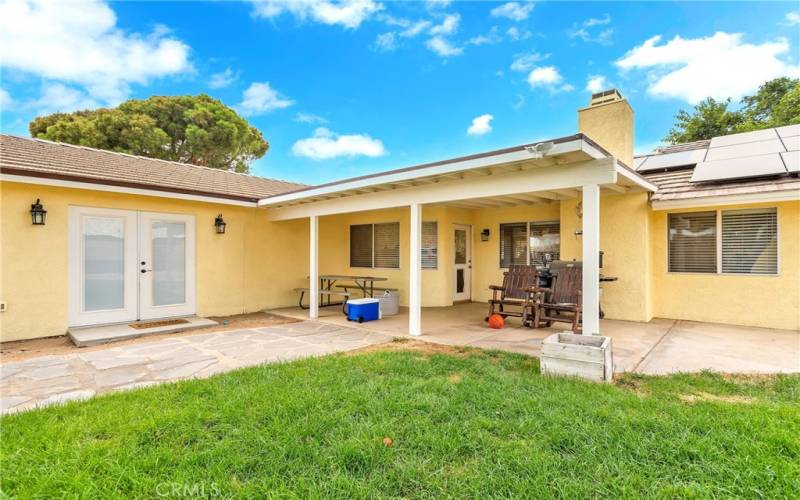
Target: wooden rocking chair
x=515, y=292
x=562, y=301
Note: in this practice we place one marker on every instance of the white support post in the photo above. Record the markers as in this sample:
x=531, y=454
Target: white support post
x=313, y=268
x=415, y=271
x=591, y=259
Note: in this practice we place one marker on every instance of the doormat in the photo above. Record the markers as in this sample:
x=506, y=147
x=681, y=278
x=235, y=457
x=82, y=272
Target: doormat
x=154, y=324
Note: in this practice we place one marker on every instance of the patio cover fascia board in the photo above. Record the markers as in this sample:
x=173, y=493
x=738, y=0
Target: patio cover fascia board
x=571, y=144
x=575, y=175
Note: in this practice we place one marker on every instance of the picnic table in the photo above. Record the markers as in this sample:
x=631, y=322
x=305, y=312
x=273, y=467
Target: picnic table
x=326, y=288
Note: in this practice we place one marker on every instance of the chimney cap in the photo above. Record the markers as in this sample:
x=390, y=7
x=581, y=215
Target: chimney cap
x=605, y=96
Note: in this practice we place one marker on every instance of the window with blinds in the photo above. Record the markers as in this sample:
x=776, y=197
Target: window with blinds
x=387, y=245
x=430, y=245
x=513, y=244
x=361, y=245
x=545, y=242
x=524, y=243
x=693, y=242
x=750, y=241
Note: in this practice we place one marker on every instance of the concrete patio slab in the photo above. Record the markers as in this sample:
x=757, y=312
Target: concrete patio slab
x=96, y=335
x=54, y=379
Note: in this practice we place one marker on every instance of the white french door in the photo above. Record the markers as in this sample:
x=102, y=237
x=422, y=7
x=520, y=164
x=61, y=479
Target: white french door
x=126, y=265
x=462, y=262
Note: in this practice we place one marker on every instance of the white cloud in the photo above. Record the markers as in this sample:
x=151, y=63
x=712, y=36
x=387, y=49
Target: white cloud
x=309, y=118
x=222, y=79
x=443, y=47
x=260, y=98
x=481, y=125
x=415, y=29
x=6, y=102
x=525, y=62
x=347, y=13
x=792, y=18
x=719, y=66
x=448, y=26
x=549, y=78
x=81, y=44
x=585, y=31
x=515, y=11
x=325, y=144
x=515, y=34
x=385, y=42
x=437, y=4
x=488, y=39
x=57, y=97
x=596, y=83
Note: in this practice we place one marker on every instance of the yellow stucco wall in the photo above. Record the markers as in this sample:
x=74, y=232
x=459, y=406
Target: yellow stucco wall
x=243, y=270
x=611, y=126
x=768, y=301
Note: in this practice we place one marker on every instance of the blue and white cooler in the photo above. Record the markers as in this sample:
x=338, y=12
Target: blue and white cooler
x=363, y=310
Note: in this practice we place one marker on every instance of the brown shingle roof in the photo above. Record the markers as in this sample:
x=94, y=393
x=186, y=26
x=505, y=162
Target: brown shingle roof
x=40, y=158
x=676, y=185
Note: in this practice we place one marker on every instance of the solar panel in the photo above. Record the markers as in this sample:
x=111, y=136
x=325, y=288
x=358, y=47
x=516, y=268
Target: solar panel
x=747, y=149
x=788, y=130
x=792, y=143
x=792, y=161
x=669, y=160
x=739, y=168
x=637, y=162
x=729, y=140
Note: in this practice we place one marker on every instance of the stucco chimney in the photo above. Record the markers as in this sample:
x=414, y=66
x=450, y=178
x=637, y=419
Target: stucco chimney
x=608, y=121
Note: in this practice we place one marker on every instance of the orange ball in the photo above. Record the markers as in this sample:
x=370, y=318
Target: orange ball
x=496, y=321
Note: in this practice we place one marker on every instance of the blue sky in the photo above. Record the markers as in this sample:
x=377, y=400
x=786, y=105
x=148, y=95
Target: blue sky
x=345, y=88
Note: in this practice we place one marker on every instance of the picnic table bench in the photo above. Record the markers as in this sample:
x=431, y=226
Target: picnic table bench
x=326, y=289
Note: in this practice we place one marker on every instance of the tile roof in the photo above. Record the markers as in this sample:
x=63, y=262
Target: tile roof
x=40, y=158
x=677, y=185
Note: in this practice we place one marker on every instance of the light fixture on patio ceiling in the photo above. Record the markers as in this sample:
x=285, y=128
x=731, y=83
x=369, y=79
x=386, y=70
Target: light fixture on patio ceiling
x=38, y=213
x=219, y=224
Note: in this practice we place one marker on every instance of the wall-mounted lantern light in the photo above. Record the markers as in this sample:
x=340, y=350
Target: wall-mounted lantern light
x=485, y=235
x=38, y=213
x=220, y=224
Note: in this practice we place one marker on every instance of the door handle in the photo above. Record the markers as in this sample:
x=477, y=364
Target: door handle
x=146, y=271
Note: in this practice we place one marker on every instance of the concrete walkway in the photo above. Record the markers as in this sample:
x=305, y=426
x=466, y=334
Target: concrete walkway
x=52, y=379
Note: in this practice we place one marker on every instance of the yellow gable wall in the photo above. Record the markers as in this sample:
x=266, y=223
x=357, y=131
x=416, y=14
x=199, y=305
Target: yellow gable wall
x=768, y=301
x=241, y=271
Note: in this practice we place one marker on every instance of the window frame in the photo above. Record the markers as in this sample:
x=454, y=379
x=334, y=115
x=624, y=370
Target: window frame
x=372, y=245
x=718, y=243
x=527, y=239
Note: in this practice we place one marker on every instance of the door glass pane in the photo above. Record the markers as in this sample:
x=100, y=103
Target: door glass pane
x=461, y=246
x=169, y=263
x=103, y=263
x=459, y=281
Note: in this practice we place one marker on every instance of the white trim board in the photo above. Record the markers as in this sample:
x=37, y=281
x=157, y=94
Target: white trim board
x=43, y=181
x=729, y=199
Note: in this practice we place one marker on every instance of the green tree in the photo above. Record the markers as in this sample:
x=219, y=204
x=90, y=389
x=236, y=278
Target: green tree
x=709, y=119
x=190, y=129
x=775, y=104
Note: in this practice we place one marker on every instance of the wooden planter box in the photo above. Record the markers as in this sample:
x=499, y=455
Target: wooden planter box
x=575, y=355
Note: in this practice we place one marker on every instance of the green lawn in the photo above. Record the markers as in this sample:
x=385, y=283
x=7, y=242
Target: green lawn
x=474, y=423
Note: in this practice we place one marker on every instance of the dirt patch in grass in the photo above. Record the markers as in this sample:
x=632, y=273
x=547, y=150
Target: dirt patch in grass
x=19, y=350
x=417, y=346
x=455, y=378
x=705, y=396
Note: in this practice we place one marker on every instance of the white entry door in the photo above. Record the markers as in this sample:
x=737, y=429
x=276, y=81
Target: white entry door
x=103, y=285
x=462, y=262
x=166, y=265
x=126, y=265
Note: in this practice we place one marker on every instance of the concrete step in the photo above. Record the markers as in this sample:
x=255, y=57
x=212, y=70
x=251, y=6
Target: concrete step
x=95, y=335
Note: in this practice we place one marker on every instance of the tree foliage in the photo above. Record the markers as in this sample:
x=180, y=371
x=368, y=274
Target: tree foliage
x=190, y=129
x=775, y=104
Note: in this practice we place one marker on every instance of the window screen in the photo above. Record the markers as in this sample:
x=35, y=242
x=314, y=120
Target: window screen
x=361, y=245
x=545, y=239
x=750, y=241
x=430, y=246
x=387, y=245
x=513, y=244
x=693, y=242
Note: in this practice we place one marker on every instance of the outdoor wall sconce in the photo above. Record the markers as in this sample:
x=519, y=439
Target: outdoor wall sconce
x=38, y=213
x=485, y=235
x=219, y=224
